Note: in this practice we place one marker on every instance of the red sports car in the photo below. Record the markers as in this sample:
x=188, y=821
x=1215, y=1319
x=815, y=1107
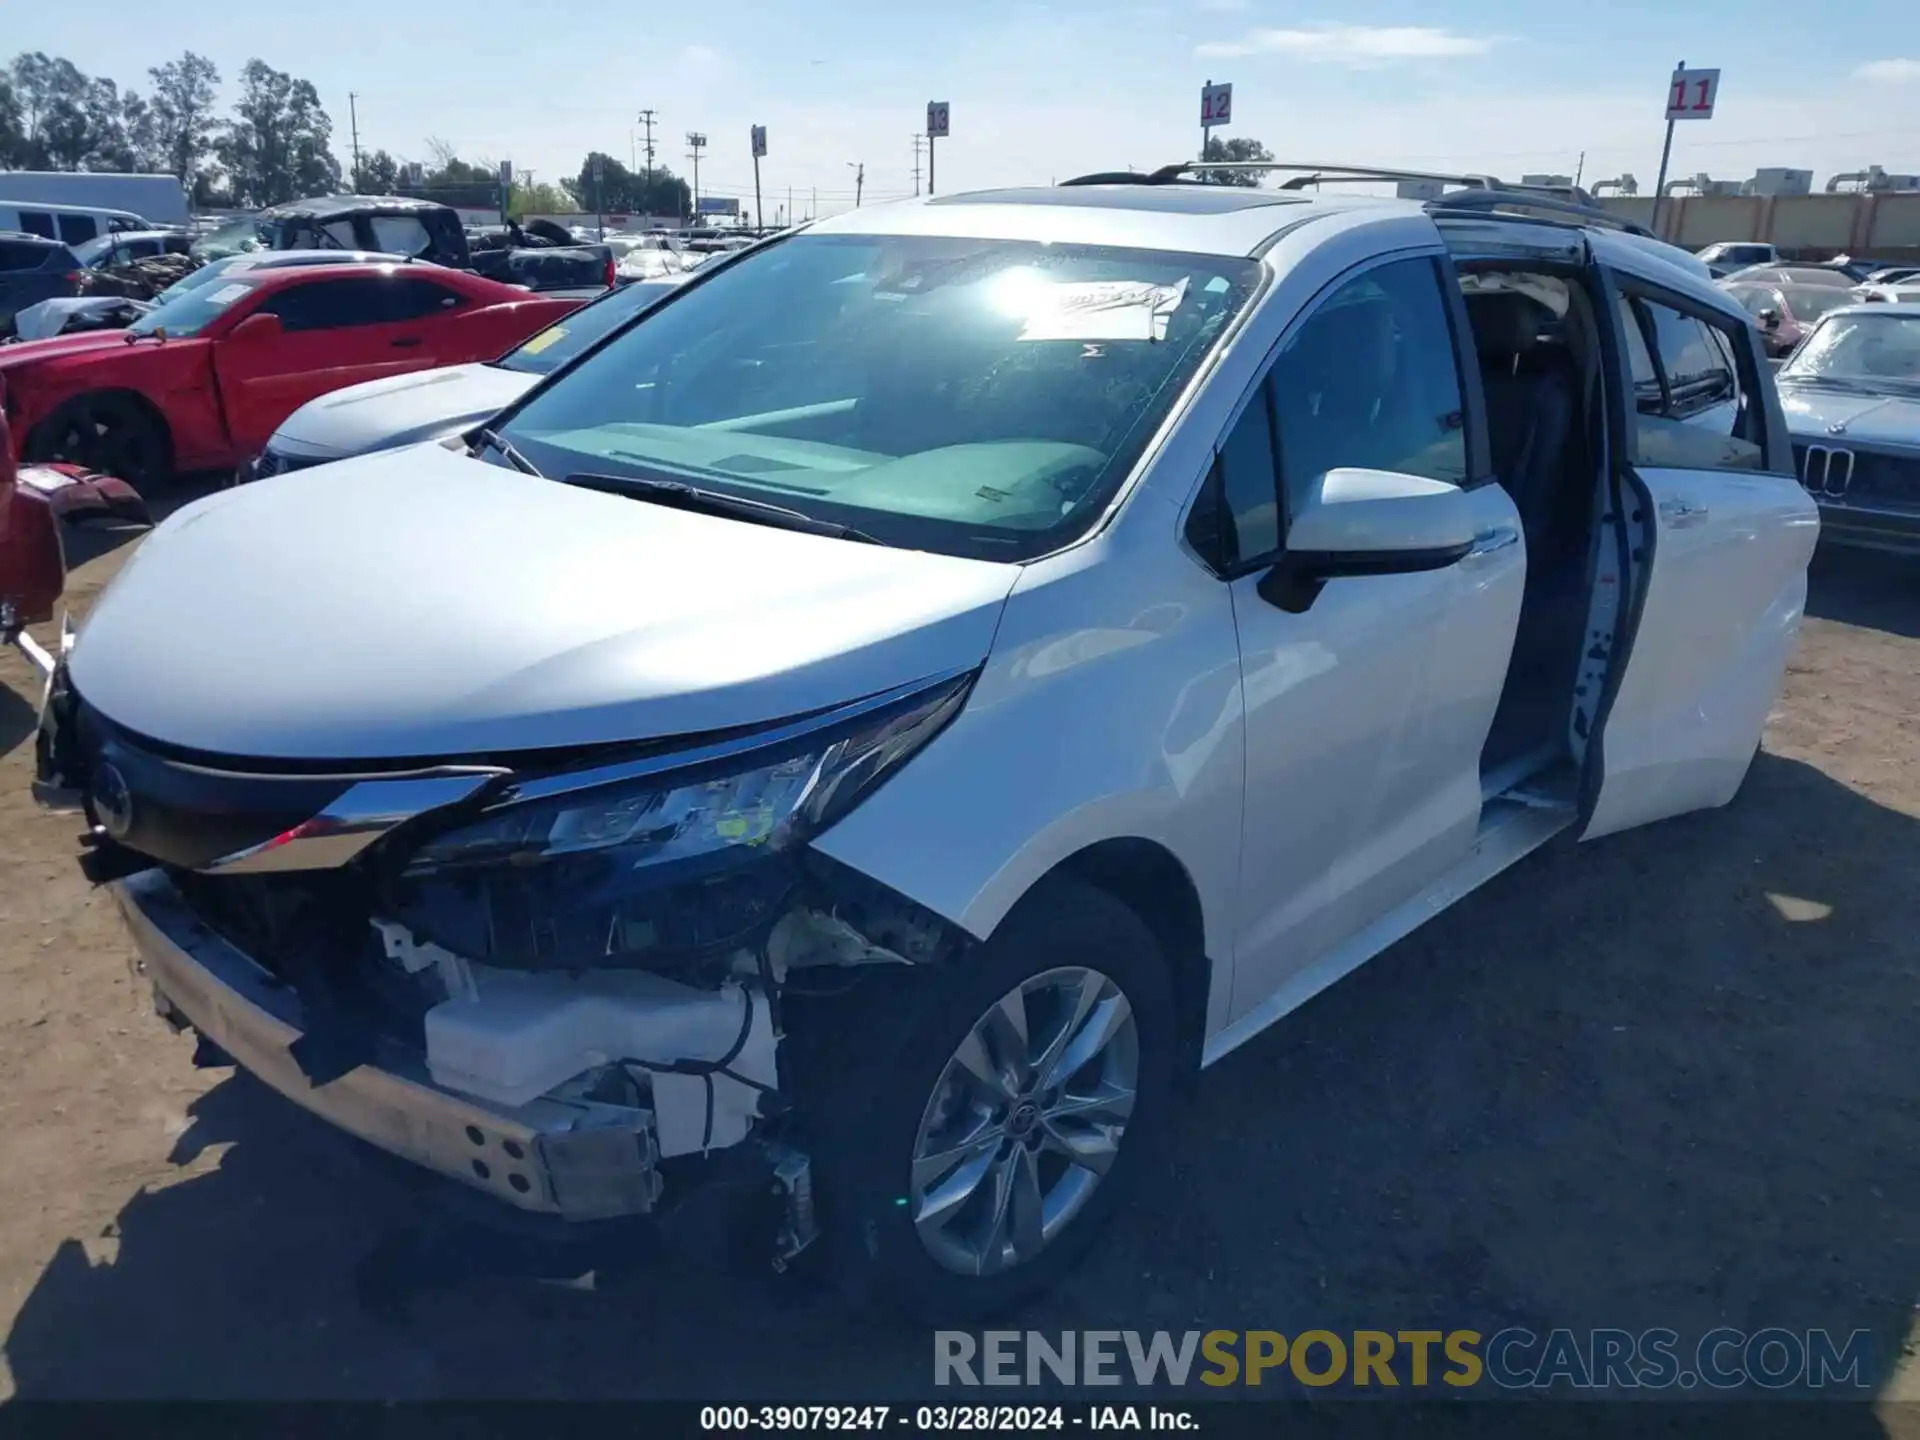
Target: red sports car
x=200, y=382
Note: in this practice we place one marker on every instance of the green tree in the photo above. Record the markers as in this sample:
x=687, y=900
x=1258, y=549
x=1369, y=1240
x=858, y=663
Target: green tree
x=623, y=192
x=146, y=150
x=379, y=174
x=13, y=133
x=538, y=199
x=1240, y=148
x=183, y=119
x=276, y=147
x=31, y=81
x=68, y=125
x=469, y=186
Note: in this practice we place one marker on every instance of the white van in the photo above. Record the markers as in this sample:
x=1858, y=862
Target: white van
x=69, y=224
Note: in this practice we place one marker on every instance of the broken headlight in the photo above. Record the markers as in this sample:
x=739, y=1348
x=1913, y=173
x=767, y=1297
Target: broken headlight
x=576, y=870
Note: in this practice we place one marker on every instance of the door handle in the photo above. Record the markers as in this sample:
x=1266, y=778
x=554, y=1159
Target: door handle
x=406, y=341
x=1491, y=542
x=1682, y=514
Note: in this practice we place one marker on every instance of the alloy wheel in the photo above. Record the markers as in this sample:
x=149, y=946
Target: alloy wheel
x=1025, y=1121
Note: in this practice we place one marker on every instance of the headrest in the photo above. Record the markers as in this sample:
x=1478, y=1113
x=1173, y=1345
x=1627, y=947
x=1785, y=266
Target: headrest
x=1505, y=322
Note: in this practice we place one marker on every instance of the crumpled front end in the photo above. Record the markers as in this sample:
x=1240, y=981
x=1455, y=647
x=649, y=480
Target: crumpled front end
x=563, y=980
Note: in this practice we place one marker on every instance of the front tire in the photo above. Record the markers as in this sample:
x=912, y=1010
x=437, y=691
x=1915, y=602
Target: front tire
x=110, y=433
x=977, y=1157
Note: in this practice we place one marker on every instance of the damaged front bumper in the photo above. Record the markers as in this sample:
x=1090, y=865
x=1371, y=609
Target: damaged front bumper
x=545, y=1156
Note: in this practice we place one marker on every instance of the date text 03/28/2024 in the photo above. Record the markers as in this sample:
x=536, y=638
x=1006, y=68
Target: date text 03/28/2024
x=942, y=1418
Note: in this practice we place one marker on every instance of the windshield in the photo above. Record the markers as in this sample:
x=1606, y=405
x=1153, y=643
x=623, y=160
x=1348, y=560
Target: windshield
x=191, y=312
x=557, y=344
x=236, y=237
x=1864, y=348
x=90, y=253
x=974, y=397
x=205, y=275
x=1810, y=302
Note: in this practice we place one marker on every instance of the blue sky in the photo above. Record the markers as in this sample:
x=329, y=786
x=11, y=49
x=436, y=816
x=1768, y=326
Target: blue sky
x=1045, y=90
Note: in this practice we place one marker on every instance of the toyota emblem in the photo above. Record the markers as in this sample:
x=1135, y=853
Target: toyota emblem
x=113, y=802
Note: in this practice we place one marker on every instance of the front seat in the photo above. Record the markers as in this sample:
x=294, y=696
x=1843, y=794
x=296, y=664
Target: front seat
x=1532, y=394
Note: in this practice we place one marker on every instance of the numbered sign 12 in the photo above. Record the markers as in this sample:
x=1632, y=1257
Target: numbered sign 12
x=1691, y=93
x=759, y=134
x=1216, y=105
x=937, y=119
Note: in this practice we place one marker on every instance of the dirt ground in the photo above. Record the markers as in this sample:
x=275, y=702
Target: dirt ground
x=1670, y=1078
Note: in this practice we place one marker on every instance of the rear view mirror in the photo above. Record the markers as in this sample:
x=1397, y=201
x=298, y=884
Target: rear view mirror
x=257, y=327
x=1368, y=522
x=1769, y=319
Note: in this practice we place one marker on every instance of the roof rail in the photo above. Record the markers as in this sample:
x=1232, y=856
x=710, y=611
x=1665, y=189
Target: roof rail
x=1311, y=173
x=1480, y=202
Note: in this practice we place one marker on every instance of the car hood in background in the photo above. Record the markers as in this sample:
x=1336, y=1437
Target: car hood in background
x=51, y=317
x=380, y=414
x=422, y=604
x=1822, y=414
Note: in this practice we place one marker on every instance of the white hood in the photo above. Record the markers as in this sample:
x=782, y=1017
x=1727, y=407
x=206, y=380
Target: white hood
x=418, y=603
x=398, y=410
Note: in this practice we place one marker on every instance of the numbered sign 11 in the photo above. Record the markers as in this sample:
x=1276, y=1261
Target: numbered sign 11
x=1691, y=93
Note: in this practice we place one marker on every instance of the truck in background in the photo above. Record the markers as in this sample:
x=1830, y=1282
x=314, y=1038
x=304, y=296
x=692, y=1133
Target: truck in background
x=159, y=198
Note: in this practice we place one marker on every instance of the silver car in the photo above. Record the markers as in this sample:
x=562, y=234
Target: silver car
x=433, y=404
x=1852, y=399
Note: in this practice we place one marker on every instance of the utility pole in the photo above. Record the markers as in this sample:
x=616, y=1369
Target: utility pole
x=813, y=205
x=353, y=120
x=696, y=142
x=646, y=119
x=1666, y=154
x=859, y=180
x=1580, y=170
x=918, y=140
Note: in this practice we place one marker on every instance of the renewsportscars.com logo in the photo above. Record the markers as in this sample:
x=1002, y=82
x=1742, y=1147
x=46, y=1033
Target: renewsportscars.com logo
x=1510, y=1359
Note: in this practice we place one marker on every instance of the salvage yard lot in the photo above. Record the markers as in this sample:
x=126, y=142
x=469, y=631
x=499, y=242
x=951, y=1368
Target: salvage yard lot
x=1671, y=1078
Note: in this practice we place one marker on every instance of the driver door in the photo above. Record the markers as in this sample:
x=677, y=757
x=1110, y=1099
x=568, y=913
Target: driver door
x=334, y=332
x=1366, y=712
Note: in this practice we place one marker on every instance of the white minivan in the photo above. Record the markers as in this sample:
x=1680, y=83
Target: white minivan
x=71, y=225
x=864, y=729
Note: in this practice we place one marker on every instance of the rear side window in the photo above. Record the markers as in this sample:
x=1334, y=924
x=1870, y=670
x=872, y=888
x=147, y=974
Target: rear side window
x=38, y=222
x=400, y=234
x=78, y=229
x=417, y=299
x=1694, y=388
x=16, y=255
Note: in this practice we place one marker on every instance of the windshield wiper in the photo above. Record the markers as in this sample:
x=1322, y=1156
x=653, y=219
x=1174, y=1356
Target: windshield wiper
x=487, y=436
x=682, y=496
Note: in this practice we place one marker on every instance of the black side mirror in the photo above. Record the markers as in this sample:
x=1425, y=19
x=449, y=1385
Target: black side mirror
x=1769, y=319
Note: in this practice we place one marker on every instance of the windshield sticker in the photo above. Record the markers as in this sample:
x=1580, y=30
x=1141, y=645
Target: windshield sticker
x=1104, y=310
x=227, y=294
x=553, y=335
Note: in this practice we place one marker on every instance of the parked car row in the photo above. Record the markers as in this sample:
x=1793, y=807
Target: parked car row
x=837, y=749
x=203, y=378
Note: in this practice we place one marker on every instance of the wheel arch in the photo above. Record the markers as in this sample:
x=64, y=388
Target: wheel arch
x=1150, y=880
x=118, y=393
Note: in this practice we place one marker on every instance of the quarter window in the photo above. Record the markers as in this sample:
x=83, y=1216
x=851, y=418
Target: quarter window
x=78, y=229
x=38, y=222
x=1250, y=484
